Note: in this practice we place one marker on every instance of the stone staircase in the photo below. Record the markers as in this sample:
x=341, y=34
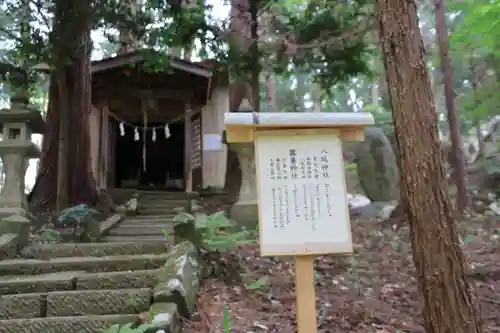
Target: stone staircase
x=155, y=215
x=61, y=288
x=84, y=288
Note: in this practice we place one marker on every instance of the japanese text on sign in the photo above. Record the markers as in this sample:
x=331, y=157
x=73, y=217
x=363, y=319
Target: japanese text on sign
x=302, y=190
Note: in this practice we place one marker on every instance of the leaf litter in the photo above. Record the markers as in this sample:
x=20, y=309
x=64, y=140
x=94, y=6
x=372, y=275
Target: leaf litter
x=374, y=290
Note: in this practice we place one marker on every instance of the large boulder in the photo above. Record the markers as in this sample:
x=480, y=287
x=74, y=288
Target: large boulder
x=377, y=167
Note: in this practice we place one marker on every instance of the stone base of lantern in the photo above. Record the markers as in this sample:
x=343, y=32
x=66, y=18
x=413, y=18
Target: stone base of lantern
x=246, y=214
x=16, y=221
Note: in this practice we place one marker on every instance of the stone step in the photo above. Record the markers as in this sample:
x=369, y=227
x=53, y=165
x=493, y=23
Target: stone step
x=118, y=280
x=147, y=224
x=150, y=238
x=75, y=303
x=78, y=280
x=48, y=251
x=98, y=302
x=150, y=218
x=162, y=202
x=125, y=230
x=80, y=324
x=87, y=264
x=41, y=283
x=157, y=210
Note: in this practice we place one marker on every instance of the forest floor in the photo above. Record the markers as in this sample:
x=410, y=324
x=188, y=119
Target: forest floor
x=372, y=291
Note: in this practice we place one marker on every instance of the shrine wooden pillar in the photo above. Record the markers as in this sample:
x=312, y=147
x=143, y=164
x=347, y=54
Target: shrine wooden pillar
x=188, y=174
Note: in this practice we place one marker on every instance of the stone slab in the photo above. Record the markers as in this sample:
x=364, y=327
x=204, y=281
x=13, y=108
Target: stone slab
x=109, y=223
x=139, y=231
x=80, y=324
x=88, y=264
x=48, y=251
x=38, y=283
x=21, y=306
x=165, y=316
x=151, y=218
x=143, y=238
x=118, y=280
x=98, y=302
x=180, y=280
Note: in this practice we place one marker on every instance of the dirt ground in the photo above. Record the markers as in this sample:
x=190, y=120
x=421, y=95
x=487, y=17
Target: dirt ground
x=372, y=291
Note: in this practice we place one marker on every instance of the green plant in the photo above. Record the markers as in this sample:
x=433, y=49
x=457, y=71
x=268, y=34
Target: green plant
x=227, y=320
x=259, y=284
x=128, y=328
x=216, y=230
x=46, y=234
x=77, y=216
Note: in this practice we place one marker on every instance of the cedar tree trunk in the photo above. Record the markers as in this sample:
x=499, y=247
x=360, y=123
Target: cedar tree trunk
x=449, y=304
x=70, y=93
x=458, y=158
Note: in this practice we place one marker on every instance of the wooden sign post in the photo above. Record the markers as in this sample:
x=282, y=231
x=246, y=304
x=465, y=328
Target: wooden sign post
x=302, y=197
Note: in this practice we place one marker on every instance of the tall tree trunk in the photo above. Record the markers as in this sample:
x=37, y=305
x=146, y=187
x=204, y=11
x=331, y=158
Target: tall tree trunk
x=477, y=119
x=459, y=174
x=254, y=51
x=449, y=304
x=70, y=94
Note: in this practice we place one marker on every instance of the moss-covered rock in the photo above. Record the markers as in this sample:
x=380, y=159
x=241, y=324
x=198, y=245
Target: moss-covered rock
x=180, y=280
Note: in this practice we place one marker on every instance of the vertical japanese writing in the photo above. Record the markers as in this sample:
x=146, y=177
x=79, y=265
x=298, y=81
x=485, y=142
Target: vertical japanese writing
x=275, y=208
x=285, y=168
x=306, y=205
x=281, y=203
x=318, y=187
x=292, y=154
x=316, y=167
x=287, y=206
x=327, y=198
x=279, y=173
x=325, y=173
x=272, y=169
x=325, y=166
x=302, y=166
x=310, y=191
x=318, y=199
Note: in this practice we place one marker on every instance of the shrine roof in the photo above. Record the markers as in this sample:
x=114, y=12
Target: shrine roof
x=203, y=69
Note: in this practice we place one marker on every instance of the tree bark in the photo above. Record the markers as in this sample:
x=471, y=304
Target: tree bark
x=459, y=173
x=70, y=94
x=449, y=304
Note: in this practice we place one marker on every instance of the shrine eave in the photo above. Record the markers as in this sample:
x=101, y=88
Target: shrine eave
x=136, y=58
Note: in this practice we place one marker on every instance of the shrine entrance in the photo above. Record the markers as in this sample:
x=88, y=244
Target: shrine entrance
x=151, y=161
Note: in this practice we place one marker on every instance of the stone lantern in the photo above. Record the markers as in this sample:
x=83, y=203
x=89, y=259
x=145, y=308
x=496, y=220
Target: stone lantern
x=17, y=124
x=246, y=210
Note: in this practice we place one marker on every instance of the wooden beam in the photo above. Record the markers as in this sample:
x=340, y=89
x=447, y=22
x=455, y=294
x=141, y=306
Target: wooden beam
x=143, y=94
x=188, y=172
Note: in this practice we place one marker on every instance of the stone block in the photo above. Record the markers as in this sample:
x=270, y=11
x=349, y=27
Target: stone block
x=38, y=283
x=164, y=316
x=80, y=324
x=8, y=245
x=18, y=224
x=48, y=251
x=245, y=214
x=118, y=280
x=21, y=306
x=98, y=302
x=180, y=281
x=88, y=264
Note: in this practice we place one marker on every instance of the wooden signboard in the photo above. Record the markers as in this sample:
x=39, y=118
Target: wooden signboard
x=301, y=189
